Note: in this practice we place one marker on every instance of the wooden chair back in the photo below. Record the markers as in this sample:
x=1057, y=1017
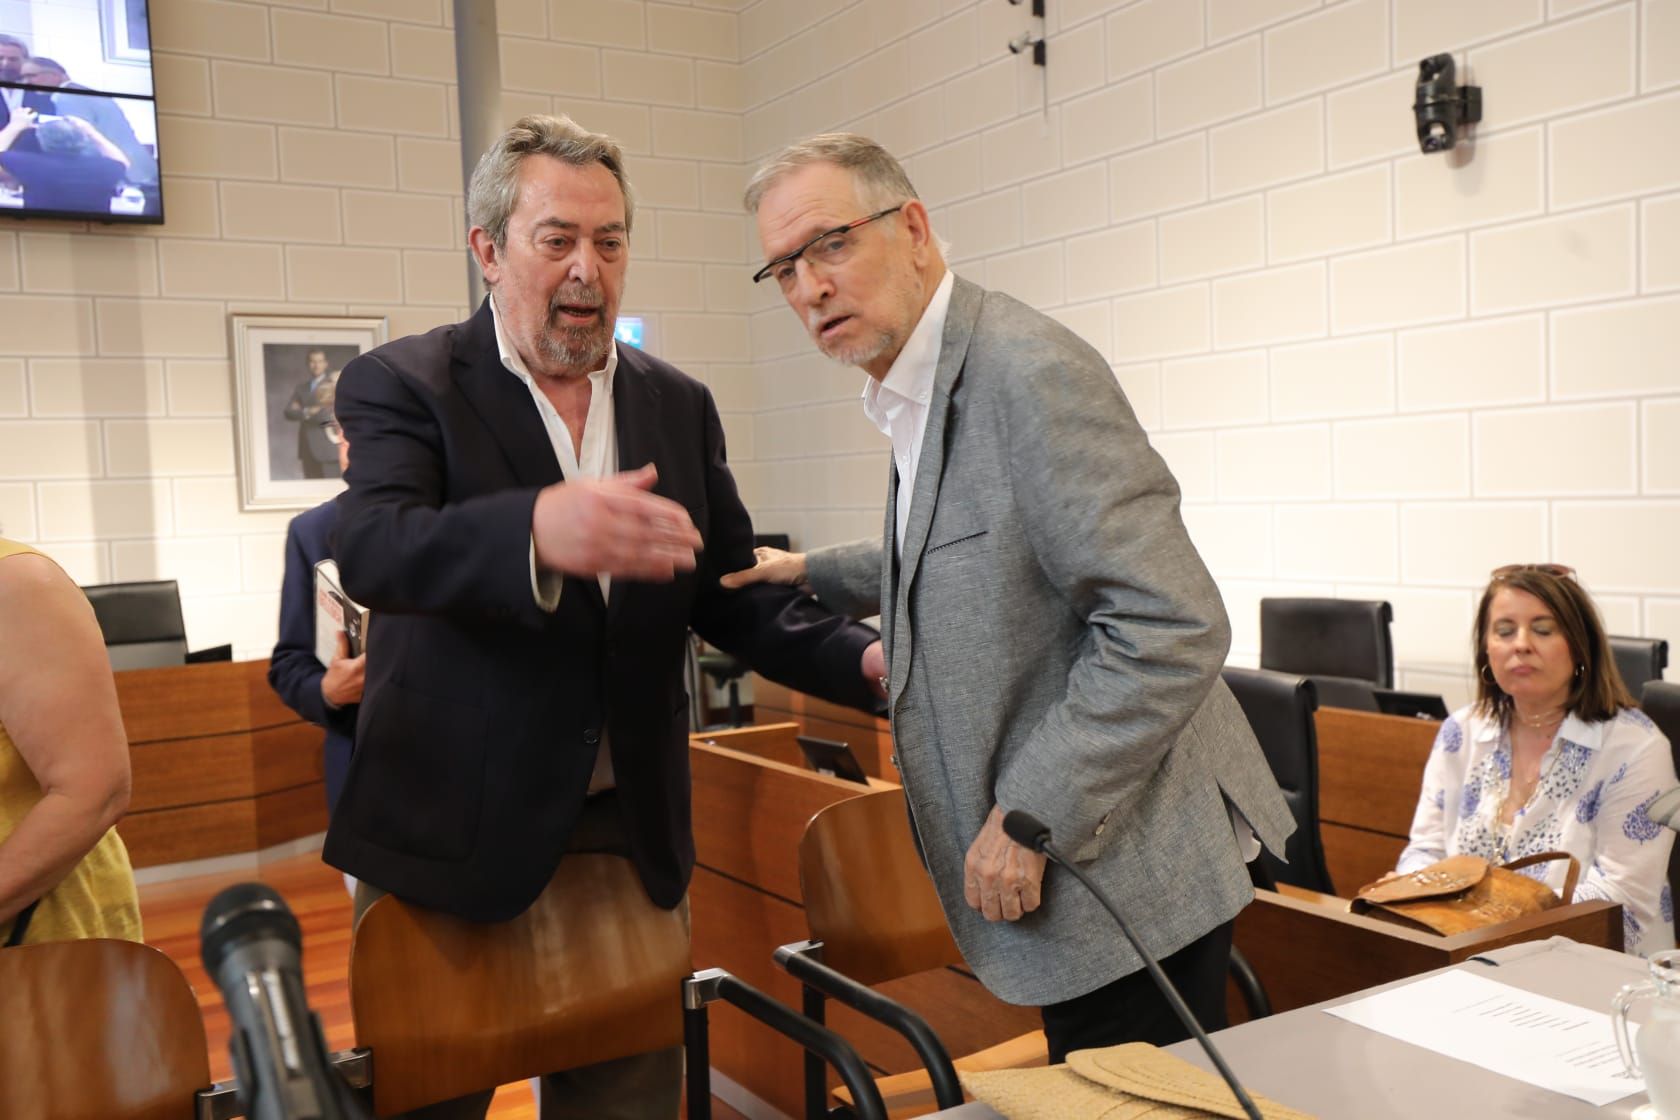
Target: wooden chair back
x=867, y=896
x=591, y=972
x=98, y=1030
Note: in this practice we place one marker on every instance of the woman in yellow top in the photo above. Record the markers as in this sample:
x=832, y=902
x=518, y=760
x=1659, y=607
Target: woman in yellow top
x=64, y=776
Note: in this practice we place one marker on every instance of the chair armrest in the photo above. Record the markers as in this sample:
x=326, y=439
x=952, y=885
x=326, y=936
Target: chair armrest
x=801, y=960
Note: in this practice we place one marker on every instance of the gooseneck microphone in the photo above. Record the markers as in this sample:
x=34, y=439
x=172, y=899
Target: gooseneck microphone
x=1030, y=832
x=253, y=950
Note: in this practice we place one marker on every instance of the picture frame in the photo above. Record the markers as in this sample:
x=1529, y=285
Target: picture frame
x=285, y=371
x=125, y=31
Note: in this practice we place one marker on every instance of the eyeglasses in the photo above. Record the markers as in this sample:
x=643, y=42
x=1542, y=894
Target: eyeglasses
x=827, y=249
x=1561, y=571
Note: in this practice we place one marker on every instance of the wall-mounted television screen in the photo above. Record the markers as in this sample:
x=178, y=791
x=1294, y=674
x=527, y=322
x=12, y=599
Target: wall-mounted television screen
x=78, y=117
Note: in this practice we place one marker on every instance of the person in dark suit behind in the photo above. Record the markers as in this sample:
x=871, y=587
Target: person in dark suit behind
x=14, y=53
x=325, y=695
x=538, y=516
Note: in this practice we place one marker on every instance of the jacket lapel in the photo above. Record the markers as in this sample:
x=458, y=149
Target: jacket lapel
x=504, y=403
x=635, y=412
x=960, y=318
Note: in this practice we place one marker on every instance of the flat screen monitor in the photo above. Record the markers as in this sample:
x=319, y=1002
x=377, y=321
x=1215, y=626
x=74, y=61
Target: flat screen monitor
x=1422, y=705
x=826, y=756
x=78, y=115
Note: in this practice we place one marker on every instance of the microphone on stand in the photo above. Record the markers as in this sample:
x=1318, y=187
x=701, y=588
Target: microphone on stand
x=253, y=950
x=1030, y=832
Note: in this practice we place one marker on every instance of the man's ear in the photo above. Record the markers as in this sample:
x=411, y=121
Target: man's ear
x=920, y=228
x=484, y=251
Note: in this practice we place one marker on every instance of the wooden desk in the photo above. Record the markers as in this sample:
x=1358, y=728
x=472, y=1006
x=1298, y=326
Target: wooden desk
x=220, y=765
x=870, y=737
x=1306, y=947
x=749, y=813
x=1370, y=769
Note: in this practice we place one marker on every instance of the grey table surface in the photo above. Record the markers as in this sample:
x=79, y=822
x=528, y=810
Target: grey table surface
x=1338, y=1071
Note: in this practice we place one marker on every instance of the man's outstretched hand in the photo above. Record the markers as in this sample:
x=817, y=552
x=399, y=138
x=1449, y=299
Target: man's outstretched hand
x=615, y=526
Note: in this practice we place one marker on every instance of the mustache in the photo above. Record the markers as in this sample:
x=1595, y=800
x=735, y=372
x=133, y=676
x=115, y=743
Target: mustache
x=576, y=295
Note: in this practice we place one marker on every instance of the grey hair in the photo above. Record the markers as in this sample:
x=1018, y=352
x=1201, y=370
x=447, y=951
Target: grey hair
x=879, y=178
x=494, y=189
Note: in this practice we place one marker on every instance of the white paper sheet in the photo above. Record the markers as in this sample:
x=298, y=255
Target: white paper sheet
x=1532, y=1038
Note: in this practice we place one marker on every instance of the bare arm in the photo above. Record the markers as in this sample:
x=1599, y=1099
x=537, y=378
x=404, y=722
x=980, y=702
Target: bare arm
x=106, y=148
x=58, y=703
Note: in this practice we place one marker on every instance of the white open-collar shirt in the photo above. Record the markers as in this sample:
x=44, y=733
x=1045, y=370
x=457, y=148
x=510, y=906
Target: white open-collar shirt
x=597, y=458
x=898, y=403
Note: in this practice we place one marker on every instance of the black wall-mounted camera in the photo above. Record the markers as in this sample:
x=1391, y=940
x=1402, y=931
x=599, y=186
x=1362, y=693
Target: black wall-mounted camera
x=1442, y=105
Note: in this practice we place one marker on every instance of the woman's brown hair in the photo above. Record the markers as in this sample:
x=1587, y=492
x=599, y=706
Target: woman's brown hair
x=1596, y=693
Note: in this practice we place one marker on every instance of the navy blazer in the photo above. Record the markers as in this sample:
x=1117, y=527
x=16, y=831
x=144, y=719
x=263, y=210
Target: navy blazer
x=484, y=713
x=293, y=670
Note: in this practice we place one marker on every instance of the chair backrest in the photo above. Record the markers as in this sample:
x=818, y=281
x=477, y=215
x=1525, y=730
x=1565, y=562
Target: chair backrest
x=868, y=898
x=591, y=972
x=1280, y=707
x=1639, y=660
x=142, y=623
x=1661, y=701
x=1328, y=637
x=98, y=1028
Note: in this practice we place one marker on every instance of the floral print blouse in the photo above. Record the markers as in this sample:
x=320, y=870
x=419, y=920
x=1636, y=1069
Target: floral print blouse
x=1596, y=782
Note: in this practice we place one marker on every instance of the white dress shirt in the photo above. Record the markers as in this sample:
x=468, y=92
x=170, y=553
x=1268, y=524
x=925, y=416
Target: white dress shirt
x=597, y=458
x=898, y=403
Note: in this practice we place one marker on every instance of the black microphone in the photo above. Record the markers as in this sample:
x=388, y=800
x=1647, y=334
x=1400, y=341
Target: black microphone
x=1030, y=832
x=253, y=950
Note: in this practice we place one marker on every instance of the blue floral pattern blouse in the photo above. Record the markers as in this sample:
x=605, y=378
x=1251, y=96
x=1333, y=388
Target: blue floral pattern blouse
x=1596, y=782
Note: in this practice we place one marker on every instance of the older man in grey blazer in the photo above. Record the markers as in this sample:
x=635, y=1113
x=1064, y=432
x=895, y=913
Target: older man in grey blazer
x=1054, y=640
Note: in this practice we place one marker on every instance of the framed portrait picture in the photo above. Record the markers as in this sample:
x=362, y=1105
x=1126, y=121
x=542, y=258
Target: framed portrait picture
x=125, y=31
x=285, y=378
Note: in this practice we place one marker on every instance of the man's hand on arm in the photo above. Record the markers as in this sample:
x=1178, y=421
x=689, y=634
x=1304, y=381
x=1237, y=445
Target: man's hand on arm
x=587, y=527
x=875, y=669
x=1001, y=879
x=341, y=684
x=774, y=566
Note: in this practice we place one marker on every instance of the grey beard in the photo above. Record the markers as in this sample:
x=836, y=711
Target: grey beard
x=859, y=353
x=576, y=346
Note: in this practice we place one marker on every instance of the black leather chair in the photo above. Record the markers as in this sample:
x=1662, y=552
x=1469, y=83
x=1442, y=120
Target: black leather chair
x=142, y=623
x=1639, y=660
x=1280, y=708
x=1328, y=638
x=1661, y=701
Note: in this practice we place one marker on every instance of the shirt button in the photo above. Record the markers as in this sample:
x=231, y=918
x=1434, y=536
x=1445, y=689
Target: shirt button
x=591, y=737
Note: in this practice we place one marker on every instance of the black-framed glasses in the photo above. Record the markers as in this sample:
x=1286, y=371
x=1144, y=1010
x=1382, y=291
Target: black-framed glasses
x=828, y=248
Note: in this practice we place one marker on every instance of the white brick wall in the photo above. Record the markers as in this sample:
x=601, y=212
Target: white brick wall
x=311, y=164
x=1374, y=372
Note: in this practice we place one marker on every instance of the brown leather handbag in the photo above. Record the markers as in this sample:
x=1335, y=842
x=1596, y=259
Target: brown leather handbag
x=1462, y=893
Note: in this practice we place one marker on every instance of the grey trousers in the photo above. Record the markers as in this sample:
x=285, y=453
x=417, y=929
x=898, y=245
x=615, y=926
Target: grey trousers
x=641, y=1087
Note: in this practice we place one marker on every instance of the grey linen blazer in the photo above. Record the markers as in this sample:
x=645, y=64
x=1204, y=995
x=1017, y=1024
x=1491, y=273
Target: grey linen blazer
x=1054, y=643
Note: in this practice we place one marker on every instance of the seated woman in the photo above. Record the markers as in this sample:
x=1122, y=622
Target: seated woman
x=64, y=778
x=1553, y=756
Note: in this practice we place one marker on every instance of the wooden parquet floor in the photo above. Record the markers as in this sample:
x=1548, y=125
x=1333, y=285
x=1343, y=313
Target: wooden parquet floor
x=316, y=894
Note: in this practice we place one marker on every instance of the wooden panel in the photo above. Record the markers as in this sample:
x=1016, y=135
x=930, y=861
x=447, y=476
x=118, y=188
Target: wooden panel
x=1370, y=768
x=218, y=828
x=187, y=701
x=177, y=772
x=1357, y=857
x=1305, y=951
x=749, y=814
x=870, y=737
x=776, y=741
x=290, y=813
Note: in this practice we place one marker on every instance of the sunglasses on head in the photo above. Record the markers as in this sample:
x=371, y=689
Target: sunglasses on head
x=1561, y=571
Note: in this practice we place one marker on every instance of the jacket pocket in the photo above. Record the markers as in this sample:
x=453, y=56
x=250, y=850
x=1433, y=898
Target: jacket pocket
x=425, y=775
